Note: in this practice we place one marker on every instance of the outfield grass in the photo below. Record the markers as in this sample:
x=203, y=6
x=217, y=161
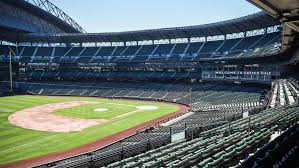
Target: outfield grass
x=17, y=143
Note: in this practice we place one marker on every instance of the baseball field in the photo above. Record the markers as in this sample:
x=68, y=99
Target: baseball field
x=31, y=126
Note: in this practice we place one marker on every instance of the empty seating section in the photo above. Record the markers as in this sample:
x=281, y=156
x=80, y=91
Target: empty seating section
x=245, y=43
x=4, y=50
x=261, y=45
x=294, y=86
x=15, y=50
x=289, y=97
x=282, y=152
x=163, y=49
x=283, y=93
x=225, y=145
x=119, y=50
x=267, y=39
x=146, y=50
x=44, y=51
x=65, y=59
x=200, y=96
x=211, y=46
x=228, y=44
x=84, y=59
x=89, y=51
x=105, y=51
x=61, y=51
x=178, y=52
x=28, y=51
x=75, y=51
x=224, y=96
x=131, y=50
x=87, y=54
x=42, y=55
x=179, y=48
x=194, y=48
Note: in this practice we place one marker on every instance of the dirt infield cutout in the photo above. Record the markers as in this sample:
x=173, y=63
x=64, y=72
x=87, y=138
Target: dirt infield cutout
x=41, y=118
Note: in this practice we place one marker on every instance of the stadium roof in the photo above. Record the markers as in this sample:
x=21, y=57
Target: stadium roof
x=251, y=22
x=288, y=12
x=48, y=12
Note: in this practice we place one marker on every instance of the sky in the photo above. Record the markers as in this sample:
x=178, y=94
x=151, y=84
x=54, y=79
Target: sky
x=96, y=16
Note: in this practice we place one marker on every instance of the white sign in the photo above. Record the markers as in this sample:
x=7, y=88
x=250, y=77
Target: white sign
x=178, y=136
x=245, y=114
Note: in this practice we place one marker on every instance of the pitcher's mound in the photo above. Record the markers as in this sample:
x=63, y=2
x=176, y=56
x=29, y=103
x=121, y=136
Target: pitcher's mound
x=147, y=107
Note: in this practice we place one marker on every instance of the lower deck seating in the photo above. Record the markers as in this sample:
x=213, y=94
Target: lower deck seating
x=282, y=152
x=284, y=92
x=199, y=97
x=222, y=146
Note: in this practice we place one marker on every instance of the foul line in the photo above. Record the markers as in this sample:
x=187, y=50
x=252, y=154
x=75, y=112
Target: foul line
x=126, y=114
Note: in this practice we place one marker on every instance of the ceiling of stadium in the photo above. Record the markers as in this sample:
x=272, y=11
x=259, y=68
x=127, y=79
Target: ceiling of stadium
x=54, y=10
x=285, y=10
x=35, y=16
x=252, y=22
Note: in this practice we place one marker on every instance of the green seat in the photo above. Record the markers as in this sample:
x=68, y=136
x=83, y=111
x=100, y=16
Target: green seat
x=216, y=162
x=134, y=164
x=116, y=164
x=182, y=152
x=240, y=143
x=240, y=149
x=187, y=156
x=228, y=155
x=216, y=147
x=248, y=145
x=206, y=152
x=182, y=163
x=147, y=159
x=199, y=151
x=258, y=138
x=230, y=148
x=220, y=154
x=195, y=158
x=168, y=158
x=205, y=162
x=248, y=138
x=172, y=163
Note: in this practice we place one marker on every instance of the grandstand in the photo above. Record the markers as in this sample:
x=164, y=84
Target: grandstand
x=235, y=82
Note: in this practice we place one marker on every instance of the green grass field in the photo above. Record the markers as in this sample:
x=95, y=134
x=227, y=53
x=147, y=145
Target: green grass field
x=17, y=143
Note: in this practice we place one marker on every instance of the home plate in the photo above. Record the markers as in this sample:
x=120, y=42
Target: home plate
x=147, y=107
x=100, y=109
